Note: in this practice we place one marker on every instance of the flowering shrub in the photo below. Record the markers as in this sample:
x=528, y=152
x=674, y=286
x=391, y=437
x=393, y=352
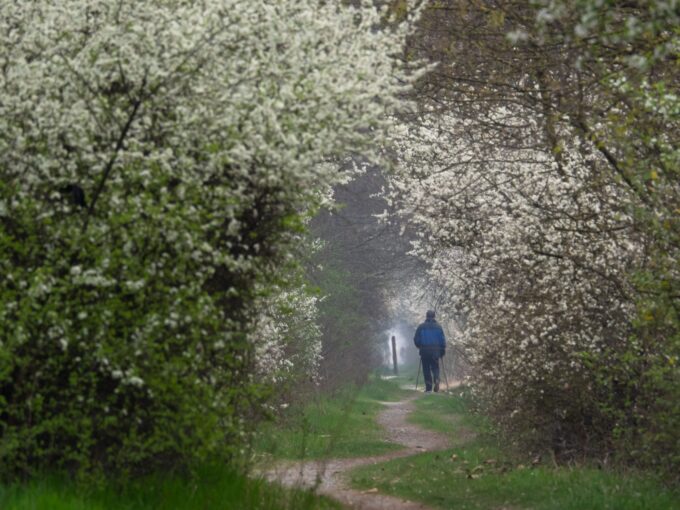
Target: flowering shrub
x=287, y=337
x=530, y=309
x=543, y=182
x=156, y=159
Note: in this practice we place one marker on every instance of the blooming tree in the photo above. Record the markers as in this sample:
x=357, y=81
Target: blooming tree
x=541, y=174
x=157, y=160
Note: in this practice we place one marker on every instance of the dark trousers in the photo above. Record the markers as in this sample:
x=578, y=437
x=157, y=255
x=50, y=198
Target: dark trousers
x=430, y=362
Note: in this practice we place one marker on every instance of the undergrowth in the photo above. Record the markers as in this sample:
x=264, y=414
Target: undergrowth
x=213, y=488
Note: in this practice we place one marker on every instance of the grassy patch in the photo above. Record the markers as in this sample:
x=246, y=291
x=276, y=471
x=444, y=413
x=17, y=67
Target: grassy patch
x=447, y=413
x=435, y=479
x=407, y=376
x=215, y=488
x=477, y=474
x=339, y=426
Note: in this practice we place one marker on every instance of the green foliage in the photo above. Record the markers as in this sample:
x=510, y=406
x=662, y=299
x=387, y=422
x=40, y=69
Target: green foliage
x=398, y=10
x=643, y=385
x=216, y=488
x=105, y=361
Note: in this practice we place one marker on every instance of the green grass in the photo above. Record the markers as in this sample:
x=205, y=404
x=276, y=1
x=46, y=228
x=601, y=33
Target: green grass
x=447, y=413
x=213, y=489
x=340, y=426
x=478, y=474
x=407, y=376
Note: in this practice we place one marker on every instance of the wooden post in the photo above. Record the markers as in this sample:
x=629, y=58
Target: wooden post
x=394, y=355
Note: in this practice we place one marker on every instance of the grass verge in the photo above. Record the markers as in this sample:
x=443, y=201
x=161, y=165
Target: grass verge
x=477, y=474
x=215, y=488
x=339, y=426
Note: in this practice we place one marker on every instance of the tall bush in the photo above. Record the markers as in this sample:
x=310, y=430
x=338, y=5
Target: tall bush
x=155, y=161
x=542, y=175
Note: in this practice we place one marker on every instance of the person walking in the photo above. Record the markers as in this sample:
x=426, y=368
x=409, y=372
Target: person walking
x=430, y=341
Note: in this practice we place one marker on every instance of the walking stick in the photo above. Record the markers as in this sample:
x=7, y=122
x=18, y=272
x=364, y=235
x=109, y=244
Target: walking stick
x=417, y=376
x=445, y=376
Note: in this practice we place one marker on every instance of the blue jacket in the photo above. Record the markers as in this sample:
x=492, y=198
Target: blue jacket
x=430, y=339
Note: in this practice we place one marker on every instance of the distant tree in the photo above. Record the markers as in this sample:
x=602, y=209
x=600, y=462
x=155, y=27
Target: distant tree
x=358, y=269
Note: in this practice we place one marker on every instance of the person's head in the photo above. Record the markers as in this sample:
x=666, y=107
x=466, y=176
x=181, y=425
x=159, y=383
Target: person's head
x=430, y=314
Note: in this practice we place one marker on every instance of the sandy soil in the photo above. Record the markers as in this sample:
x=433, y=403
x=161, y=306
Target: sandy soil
x=327, y=476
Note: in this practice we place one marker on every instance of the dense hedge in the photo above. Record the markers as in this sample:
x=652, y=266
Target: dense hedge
x=156, y=159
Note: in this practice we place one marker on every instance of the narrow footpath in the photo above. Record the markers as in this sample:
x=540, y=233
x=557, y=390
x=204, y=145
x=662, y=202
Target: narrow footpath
x=328, y=476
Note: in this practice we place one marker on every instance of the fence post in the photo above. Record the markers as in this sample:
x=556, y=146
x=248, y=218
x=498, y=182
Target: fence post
x=394, y=355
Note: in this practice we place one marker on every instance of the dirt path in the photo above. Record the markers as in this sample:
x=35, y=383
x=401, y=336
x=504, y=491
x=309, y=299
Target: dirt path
x=327, y=476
